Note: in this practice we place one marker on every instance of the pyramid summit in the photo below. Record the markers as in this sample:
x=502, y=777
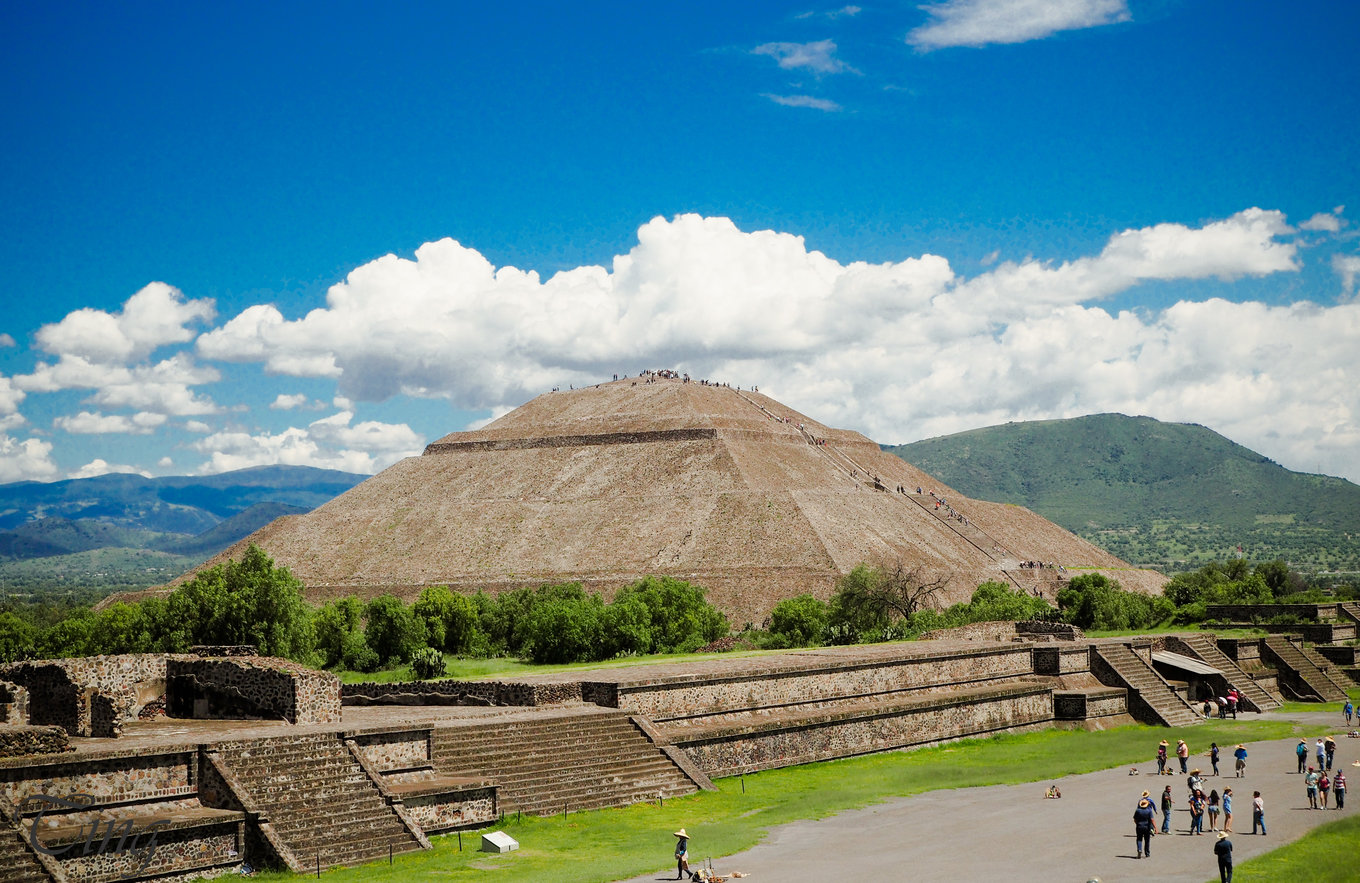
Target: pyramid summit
x=720, y=486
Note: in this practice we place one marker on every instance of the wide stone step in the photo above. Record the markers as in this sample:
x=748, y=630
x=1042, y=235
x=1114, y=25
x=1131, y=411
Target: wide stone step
x=534, y=756
x=550, y=768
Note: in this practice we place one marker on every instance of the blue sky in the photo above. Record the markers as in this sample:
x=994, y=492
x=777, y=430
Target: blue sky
x=330, y=233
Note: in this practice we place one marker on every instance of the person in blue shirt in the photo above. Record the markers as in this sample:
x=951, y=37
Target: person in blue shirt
x=681, y=854
x=1240, y=752
x=1142, y=828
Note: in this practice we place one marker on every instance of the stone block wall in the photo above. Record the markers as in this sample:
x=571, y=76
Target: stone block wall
x=111, y=778
x=13, y=703
x=934, y=719
x=450, y=692
x=169, y=851
x=1261, y=612
x=404, y=750
x=251, y=686
x=18, y=740
x=63, y=692
x=446, y=810
x=1084, y=705
x=668, y=698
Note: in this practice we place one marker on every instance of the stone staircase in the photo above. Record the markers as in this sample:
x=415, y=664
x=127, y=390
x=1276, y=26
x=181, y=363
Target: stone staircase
x=1254, y=696
x=1310, y=670
x=318, y=799
x=1147, y=688
x=582, y=758
x=18, y=863
x=1349, y=610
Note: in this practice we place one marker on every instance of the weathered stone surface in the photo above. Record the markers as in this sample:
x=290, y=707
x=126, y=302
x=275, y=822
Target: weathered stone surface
x=89, y=696
x=19, y=740
x=729, y=489
x=251, y=686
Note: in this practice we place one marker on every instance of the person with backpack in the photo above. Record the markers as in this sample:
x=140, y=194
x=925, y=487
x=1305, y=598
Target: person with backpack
x=1302, y=751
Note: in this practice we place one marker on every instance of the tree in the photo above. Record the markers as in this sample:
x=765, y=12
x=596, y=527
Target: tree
x=799, y=621
x=340, y=637
x=566, y=630
x=681, y=619
x=17, y=637
x=241, y=602
x=393, y=632
x=450, y=618
x=871, y=597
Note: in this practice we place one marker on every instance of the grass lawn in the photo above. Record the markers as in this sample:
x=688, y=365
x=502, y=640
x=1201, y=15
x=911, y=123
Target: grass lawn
x=611, y=844
x=1324, y=855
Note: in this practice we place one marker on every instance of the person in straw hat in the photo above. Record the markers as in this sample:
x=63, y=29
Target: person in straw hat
x=1161, y=758
x=681, y=854
x=1223, y=849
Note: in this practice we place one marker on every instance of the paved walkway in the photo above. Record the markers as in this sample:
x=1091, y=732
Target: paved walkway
x=1011, y=833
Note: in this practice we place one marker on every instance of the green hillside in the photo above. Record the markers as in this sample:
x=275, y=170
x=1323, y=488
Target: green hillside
x=1167, y=495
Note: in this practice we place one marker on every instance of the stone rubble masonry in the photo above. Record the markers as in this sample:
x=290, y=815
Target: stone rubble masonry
x=18, y=740
x=256, y=685
x=13, y=703
x=1032, y=630
x=89, y=696
x=112, y=777
x=450, y=692
x=665, y=698
x=402, y=762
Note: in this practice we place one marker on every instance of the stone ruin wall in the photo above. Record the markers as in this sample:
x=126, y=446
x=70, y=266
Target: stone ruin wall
x=261, y=686
x=927, y=723
x=931, y=673
x=448, y=692
x=89, y=696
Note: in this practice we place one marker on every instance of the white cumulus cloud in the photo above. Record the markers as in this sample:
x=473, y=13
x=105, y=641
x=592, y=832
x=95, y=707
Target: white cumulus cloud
x=98, y=467
x=284, y=402
x=28, y=459
x=328, y=443
x=155, y=316
x=7, y=340
x=803, y=101
x=900, y=350
x=91, y=423
x=1347, y=266
x=980, y=22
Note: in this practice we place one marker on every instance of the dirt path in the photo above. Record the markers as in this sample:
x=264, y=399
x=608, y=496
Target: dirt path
x=1011, y=833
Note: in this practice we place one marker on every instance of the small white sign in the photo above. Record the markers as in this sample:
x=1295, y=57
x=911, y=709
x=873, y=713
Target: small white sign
x=498, y=841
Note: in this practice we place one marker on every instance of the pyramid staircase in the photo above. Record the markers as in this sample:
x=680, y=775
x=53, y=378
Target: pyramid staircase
x=321, y=806
x=1311, y=672
x=18, y=862
x=1254, y=696
x=580, y=758
x=1146, y=688
x=1349, y=610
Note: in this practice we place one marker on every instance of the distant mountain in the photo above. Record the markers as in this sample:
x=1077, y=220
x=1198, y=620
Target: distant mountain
x=1169, y=495
x=172, y=522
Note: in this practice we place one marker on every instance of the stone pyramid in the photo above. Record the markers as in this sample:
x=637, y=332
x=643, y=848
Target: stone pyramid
x=723, y=487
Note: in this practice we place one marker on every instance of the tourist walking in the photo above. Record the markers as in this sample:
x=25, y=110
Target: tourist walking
x=1339, y=786
x=1329, y=745
x=1310, y=783
x=1240, y=752
x=1142, y=828
x=1166, y=810
x=1161, y=758
x=1213, y=756
x=1302, y=751
x=1321, y=753
x=681, y=854
x=1324, y=788
x=1227, y=810
x=1348, y=710
x=1183, y=753
x=1258, y=813
x=1213, y=810
x=1223, y=849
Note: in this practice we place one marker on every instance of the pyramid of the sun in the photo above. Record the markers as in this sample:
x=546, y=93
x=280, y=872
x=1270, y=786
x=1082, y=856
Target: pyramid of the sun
x=726, y=488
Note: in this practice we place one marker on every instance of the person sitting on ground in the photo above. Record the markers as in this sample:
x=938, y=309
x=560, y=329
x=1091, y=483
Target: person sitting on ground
x=1053, y=792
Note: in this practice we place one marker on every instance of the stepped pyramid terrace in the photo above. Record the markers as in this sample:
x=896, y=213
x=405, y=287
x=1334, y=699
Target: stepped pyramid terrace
x=725, y=487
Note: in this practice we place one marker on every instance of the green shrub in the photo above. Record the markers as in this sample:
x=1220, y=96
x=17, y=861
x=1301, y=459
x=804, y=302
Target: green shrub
x=393, y=632
x=798, y=622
